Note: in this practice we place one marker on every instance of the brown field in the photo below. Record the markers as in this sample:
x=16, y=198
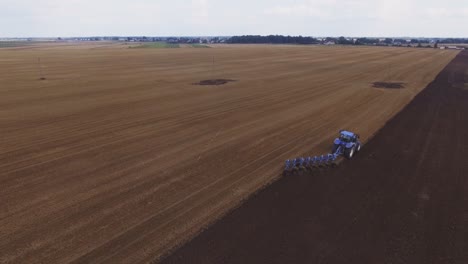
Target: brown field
x=118, y=157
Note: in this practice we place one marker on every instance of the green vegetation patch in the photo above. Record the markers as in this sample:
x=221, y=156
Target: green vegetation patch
x=157, y=45
x=13, y=44
x=200, y=46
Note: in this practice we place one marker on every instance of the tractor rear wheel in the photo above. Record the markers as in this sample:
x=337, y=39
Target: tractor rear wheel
x=349, y=153
x=358, y=147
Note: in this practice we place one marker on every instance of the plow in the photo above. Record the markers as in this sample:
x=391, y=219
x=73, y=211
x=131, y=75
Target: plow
x=346, y=145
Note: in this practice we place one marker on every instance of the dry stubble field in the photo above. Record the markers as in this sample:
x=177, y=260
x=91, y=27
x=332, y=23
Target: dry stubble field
x=117, y=157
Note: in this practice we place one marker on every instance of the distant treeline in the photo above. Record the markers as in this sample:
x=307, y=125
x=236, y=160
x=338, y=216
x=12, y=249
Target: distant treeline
x=272, y=39
x=279, y=39
x=454, y=40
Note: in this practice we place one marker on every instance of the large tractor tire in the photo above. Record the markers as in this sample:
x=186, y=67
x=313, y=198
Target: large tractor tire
x=358, y=147
x=349, y=153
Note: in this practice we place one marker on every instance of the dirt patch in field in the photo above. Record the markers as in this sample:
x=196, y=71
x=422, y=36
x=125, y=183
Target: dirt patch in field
x=214, y=82
x=389, y=85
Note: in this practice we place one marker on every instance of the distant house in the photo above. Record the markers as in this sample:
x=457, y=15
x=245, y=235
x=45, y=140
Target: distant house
x=329, y=43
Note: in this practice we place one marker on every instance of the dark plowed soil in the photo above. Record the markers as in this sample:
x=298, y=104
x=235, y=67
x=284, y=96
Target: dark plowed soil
x=214, y=82
x=388, y=85
x=403, y=199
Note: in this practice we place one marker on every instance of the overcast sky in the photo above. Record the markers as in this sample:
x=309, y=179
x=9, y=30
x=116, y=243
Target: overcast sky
x=66, y=18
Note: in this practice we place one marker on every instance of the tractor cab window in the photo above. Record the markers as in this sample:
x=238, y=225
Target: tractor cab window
x=345, y=138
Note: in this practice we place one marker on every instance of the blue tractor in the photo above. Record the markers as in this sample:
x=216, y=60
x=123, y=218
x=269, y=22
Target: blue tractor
x=347, y=144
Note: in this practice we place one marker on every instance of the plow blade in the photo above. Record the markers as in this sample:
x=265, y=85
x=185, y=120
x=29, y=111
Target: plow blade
x=310, y=163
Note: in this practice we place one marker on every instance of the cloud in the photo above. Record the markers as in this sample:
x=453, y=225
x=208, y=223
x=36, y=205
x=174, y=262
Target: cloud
x=325, y=9
x=200, y=11
x=298, y=10
x=319, y=9
x=223, y=17
x=445, y=12
x=81, y=17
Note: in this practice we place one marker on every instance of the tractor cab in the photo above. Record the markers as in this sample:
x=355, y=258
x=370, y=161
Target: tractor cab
x=348, y=137
x=347, y=144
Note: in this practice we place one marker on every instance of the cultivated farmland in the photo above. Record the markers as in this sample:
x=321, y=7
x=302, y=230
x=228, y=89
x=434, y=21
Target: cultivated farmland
x=402, y=199
x=116, y=156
